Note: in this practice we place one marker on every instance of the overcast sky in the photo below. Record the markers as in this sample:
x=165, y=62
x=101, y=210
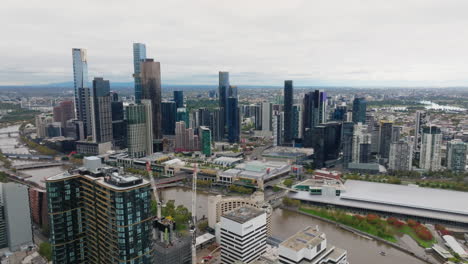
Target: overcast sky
x=348, y=42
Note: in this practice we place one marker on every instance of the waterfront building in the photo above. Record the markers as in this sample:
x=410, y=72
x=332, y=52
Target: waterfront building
x=100, y=216
x=359, y=110
x=15, y=217
x=243, y=235
x=288, y=112
x=310, y=246
x=81, y=88
x=42, y=121
x=401, y=156
x=101, y=111
x=139, y=129
x=151, y=90
x=139, y=54
x=456, y=155
x=431, y=145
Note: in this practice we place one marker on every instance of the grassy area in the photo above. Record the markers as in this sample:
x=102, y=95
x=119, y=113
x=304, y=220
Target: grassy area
x=3, y=177
x=39, y=148
x=19, y=115
x=423, y=243
x=372, y=225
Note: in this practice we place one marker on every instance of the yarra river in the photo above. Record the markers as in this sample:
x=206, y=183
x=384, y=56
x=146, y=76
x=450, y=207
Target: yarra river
x=285, y=223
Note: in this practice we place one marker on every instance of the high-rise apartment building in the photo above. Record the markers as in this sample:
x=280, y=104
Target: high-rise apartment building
x=183, y=115
x=385, y=138
x=216, y=124
x=431, y=145
x=205, y=140
x=347, y=142
x=151, y=90
x=63, y=112
x=267, y=111
x=243, y=235
x=119, y=125
x=185, y=138
x=139, y=129
x=169, y=112
x=361, y=144
x=296, y=121
x=401, y=156
x=456, y=155
x=15, y=217
x=288, y=112
x=326, y=142
x=314, y=112
x=421, y=120
x=100, y=216
x=139, y=54
x=82, y=92
x=359, y=110
x=101, y=111
x=179, y=98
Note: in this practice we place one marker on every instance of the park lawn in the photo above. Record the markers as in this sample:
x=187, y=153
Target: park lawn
x=348, y=221
x=410, y=232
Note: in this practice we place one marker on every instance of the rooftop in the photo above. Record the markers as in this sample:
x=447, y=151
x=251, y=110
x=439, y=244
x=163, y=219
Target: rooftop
x=243, y=214
x=309, y=237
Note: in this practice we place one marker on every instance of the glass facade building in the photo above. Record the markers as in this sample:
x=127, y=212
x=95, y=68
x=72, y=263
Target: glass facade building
x=169, y=112
x=205, y=138
x=99, y=218
x=82, y=92
x=288, y=112
x=139, y=54
x=359, y=110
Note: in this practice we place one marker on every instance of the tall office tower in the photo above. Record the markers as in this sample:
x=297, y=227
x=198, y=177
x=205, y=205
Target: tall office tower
x=100, y=216
x=340, y=113
x=42, y=121
x=243, y=235
x=183, y=115
x=314, y=110
x=203, y=117
x=63, y=112
x=267, y=111
x=401, y=156
x=139, y=129
x=119, y=125
x=114, y=96
x=38, y=205
x=257, y=114
x=223, y=92
x=179, y=98
x=297, y=121
x=347, y=143
x=361, y=144
x=359, y=110
x=15, y=217
x=456, y=155
x=82, y=93
x=101, y=111
x=234, y=120
x=431, y=145
x=326, y=141
x=370, y=122
x=205, y=140
x=151, y=90
x=169, y=112
x=288, y=112
x=139, y=55
x=385, y=138
x=421, y=120
x=216, y=124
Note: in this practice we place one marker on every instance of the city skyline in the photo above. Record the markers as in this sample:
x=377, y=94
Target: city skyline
x=372, y=44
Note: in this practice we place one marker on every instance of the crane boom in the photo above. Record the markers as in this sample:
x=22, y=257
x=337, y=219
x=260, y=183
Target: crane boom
x=193, y=229
x=155, y=189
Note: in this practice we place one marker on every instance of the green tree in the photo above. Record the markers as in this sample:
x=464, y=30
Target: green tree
x=45, y=250
x=288, y=182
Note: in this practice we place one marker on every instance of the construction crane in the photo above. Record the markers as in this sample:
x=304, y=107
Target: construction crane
x=155, y=190
x=193, y=228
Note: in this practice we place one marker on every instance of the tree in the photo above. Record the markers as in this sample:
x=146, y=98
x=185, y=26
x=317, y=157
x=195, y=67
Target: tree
x=45, y=250
x=288, y=183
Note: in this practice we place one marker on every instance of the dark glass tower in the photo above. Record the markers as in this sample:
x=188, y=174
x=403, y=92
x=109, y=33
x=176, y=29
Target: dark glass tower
x=102, y=111
x=326, y=142
x=223, y=91
x=314, y=110
x=139, y=54
x=119, y=126
x=359, y=110
x=169, y=111
x=347, y=142
x=234, y=120
x=151, y=84
x=179, y=98
x=385, y=138
x=288, y=112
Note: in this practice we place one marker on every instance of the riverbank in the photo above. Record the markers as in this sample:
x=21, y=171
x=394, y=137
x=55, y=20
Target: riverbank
x=364, y=235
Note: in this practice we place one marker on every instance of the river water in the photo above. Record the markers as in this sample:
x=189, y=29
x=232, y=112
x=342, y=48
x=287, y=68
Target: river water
x=286, y=223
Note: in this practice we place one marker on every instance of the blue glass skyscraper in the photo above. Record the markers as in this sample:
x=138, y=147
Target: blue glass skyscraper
x=179, y=98
x=223, y=97
x=359, y=110
x=233, y=120
x=82, y=91
x=288, y=111
x=139, y=54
